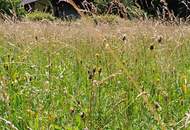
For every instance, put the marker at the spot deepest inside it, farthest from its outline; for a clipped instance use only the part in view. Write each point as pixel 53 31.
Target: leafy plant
pixel 12 7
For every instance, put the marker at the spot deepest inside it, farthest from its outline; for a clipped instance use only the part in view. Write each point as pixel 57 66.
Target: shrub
pixel 11 7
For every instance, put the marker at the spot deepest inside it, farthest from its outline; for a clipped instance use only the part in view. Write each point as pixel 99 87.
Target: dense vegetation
pixel 135 8
pixel 12 7
pixel 63 76
pixel 78 75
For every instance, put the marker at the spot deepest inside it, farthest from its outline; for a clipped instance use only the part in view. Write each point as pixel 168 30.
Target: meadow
pixel 128 75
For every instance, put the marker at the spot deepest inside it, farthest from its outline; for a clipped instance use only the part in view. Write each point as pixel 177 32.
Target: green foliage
pixel 132 10
pixel 5 6
pixel 11 7
pixel 38 16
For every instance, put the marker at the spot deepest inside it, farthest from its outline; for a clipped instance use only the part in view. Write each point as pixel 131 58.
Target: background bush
pixel 11 7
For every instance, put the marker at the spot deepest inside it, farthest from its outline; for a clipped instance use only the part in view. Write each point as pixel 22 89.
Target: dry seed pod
pixel 82 115
pixel 151 47
pixel 124 38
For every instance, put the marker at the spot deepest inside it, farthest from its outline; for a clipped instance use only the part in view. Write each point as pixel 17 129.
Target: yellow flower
pixel 107 46
pixel 51 117
pixel 184 88
pixel 184 85
pixel 97 55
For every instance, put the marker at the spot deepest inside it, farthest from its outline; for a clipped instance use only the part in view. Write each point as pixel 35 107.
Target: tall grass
pixel 71 76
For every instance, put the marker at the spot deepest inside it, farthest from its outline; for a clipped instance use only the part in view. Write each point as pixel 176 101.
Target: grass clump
pixel 39 16
pixel 108 19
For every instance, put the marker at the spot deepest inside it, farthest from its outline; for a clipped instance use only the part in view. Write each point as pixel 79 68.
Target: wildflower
pixel 30 112
pixel 51 117
pixel 159 40
pixel 99 70
pixel 107 46
pixel 30 78
pixel 123 62
pixel 124 38
pixel 184 88
pixel 91 74
pixel 78 102
pixel 82 115
pixel 184 85
pixel 97 55
pixel 95 82
pixel 94 70
pixel 6 66
pixel 152 47
pixel 36 38
pixel 157 106
pixel 72 110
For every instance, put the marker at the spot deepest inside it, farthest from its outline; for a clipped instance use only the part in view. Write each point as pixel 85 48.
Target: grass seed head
pixel 107 46
pixel 36 38
pixel 158 38
pixel 82 115
pixel 91 73
pixel 72 110
pixel 99 70
pixel 124 38
pixel 151 47
pixel 97 55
